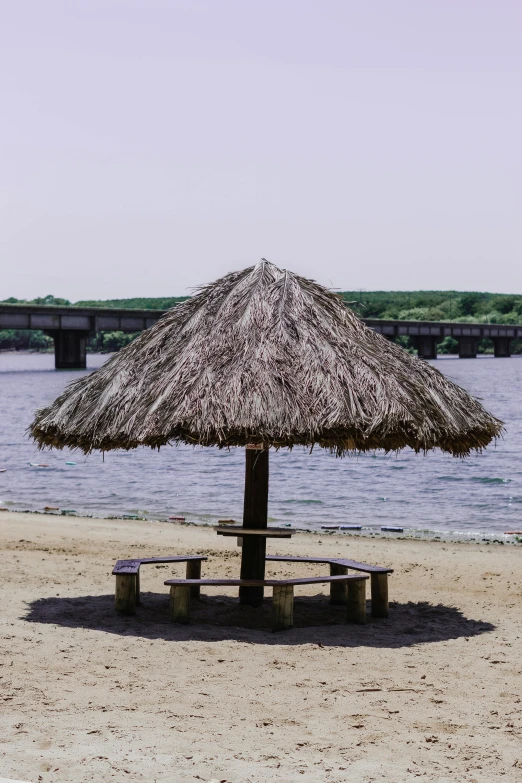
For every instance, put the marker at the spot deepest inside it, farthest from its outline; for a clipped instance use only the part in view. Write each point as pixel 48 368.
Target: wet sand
pixel 432 692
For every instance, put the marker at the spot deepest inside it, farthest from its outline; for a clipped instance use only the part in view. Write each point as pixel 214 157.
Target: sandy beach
pixel 432 692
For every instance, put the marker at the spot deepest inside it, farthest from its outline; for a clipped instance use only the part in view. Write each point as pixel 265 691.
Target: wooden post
pixel 283 607
pixel 379 587
pixel 356 603
pixel 194 572
pixel 180 603
pixel 255 515
pixel 138 596
pixel 125 595
pixel 338 590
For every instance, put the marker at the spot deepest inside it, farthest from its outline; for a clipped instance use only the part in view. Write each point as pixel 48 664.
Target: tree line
pixel 455 306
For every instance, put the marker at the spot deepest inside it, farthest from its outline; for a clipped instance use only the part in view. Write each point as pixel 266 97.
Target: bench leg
pixel 283 607
pixel 379 587
pixel 356 603
pixel 138 598
pixel 194 572
pixel 180 603
pixel 338 591
pixel 125 595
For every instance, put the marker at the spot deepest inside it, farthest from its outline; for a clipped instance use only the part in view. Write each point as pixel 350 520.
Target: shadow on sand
pixel 216 618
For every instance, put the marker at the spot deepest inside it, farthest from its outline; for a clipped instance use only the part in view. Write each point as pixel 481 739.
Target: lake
pixel 436 492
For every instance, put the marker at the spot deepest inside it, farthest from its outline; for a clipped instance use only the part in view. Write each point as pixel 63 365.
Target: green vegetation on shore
pixel 455 306
pixel 137 303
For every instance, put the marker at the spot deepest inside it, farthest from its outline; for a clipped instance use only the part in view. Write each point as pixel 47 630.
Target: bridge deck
pixel 88 319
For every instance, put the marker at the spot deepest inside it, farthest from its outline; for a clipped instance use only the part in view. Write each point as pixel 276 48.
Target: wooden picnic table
pixel 253 555
pixel 240 531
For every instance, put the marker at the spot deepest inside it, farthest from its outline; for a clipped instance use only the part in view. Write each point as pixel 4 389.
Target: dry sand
pixel 432 692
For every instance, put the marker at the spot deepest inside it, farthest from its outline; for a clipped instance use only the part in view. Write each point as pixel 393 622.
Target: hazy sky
pixel 152 145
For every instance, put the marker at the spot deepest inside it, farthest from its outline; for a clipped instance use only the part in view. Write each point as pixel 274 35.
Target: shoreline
pixel 367 531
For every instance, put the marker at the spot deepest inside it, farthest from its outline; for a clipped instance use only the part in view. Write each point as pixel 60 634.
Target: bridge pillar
pixel 426 346
pixel 502 346
pixel 467 347
pixel 69 349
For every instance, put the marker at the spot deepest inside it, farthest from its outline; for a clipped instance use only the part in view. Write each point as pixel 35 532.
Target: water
pixel 436 492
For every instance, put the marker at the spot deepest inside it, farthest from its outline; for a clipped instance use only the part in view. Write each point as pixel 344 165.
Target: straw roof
pixel 267 356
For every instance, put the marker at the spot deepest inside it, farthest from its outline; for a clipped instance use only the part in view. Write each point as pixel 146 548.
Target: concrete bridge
pixel 71 326
pixel 425 335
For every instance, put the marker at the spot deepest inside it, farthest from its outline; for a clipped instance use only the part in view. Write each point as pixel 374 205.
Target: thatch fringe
pixel 267 356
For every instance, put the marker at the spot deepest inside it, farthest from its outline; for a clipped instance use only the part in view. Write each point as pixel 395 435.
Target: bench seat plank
pixel 365 567
pixel 126 567
pixel 300 580
pixel 131 566
pixel 174 559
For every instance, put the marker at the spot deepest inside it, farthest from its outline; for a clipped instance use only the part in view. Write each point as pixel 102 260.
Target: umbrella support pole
pixel 252 563
pixel 255 516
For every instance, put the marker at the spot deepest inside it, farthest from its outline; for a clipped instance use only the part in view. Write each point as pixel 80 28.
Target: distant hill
pixel 138 303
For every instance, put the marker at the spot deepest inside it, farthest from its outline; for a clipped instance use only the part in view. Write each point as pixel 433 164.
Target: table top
pixel 240 532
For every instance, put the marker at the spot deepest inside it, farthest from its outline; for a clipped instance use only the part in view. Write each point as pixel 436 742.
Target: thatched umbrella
pixel 267 357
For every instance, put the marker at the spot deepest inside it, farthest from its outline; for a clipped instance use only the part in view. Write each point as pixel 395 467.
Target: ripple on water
pixel 490 480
